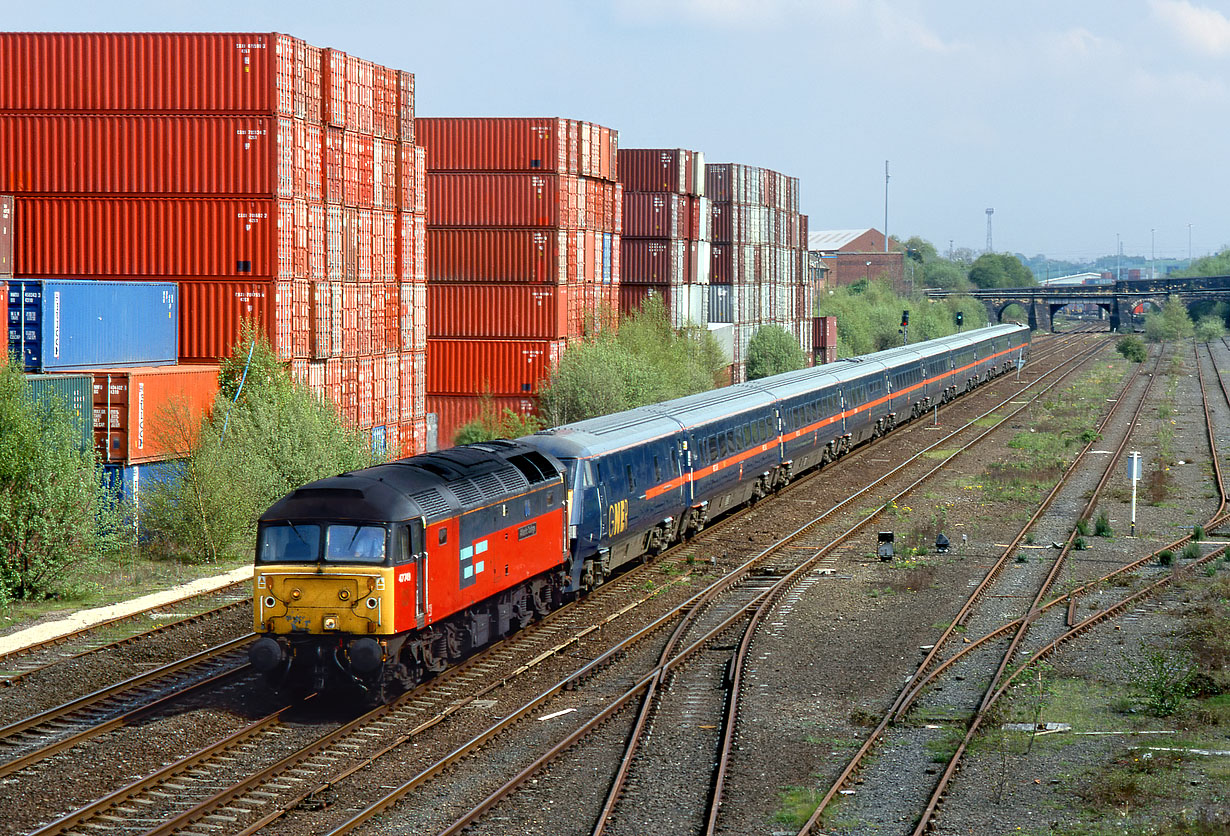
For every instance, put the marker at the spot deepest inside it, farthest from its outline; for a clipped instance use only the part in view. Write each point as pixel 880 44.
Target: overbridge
pixel 1119 298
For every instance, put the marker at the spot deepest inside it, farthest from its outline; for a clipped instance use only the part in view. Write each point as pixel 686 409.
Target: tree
pixel 647 361
pixel 1171 323
pixel 56 514
pixel 260 442
pixel 993 270
pixel 944 274
pixel 773 350
pixel 1212 265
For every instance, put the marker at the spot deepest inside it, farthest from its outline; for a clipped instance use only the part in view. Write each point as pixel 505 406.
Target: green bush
pixel 56 513
pixel 266 436
pixel 1197 533
pixel 490 424
pixel 1082 527
pixel 773 350
pixel 1132 348
pixel 1191 551
pixel 1101 526
pixel 1165 557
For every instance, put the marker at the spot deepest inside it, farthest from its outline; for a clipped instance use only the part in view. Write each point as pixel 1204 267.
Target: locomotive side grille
pixel 467 492
pixel 432 503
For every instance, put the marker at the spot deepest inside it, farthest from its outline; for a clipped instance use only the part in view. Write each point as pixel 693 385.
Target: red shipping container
pixel 6 236
pixel 307 82
pixel 505 311
pixel 653 261
pixel 316 377
pixel 503 367
pixel 333 87
pixel 210 313
pixel 150 414
pixel 350 390
pixel 334 160
pixel 502 200
pixel 405 104
pixel 384 174
pixel 412 324
pixel 654 215
pixel 494 144
pixel 497 255
pixel 161 237
pixel 359 94
pixel 418 399
pixel 363 295
pixel 301 325
pixel 392 381
pixel 455 411
pixel 365 389
pixel 321 316
pixel 147 72
pixel 129 154
pixel 379 392
pixel 309 162
pixel 283 320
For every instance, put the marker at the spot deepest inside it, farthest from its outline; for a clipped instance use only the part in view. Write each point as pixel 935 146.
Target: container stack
pixel 523 230
pixel 759 261
pixel 268 178
pixel 666 241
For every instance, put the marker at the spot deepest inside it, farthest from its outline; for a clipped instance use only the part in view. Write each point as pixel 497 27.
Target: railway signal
pixel 960 320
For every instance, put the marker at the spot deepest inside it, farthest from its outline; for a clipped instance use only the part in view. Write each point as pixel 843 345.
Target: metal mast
pixel 990 212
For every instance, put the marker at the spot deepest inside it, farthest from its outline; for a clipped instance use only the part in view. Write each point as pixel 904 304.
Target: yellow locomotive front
pixel 323 597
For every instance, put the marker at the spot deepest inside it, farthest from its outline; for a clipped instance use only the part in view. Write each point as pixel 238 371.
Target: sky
pixel 1081 123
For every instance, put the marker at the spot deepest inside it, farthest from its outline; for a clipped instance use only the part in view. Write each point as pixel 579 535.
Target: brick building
pixel 847 255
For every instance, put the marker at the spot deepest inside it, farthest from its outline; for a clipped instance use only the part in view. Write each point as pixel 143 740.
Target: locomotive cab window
pixel 354 543
pixel 289 543
pixel 442 535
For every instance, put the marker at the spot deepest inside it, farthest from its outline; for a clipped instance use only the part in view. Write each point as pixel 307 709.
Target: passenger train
pixel 380 577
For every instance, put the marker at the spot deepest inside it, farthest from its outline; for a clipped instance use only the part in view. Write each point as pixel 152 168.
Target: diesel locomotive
pixel 380 577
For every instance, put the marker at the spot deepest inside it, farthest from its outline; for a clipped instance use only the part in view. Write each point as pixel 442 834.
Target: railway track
pixel 122 631
pixel 717 624
pixel 1053 624
pixel 244 737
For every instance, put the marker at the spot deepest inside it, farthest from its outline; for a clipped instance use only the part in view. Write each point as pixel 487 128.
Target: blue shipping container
pixel 130 481
pixel 721 303
pixel 60 324
pixel 606 257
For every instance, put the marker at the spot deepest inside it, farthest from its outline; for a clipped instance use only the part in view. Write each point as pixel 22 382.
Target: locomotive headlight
pixel 344 594
pixel 296 594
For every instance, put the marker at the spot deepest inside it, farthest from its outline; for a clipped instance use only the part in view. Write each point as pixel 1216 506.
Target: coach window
pixel 657 470
pixel 730 442
pixel 631 478
pixel 714 450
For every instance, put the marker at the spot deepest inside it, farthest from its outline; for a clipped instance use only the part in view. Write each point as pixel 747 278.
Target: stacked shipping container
pixel 759 259
pixel 666 243
pixel 271 179
pixel 523 230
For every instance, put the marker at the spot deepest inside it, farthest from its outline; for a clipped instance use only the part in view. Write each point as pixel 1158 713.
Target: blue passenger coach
pixel 642 479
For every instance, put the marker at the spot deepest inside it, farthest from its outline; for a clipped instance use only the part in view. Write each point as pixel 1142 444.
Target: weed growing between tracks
pixel 1058 429
pixel 1141 772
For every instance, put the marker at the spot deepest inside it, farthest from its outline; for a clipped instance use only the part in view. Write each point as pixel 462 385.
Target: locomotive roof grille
pixel 466 491
pixel 432 503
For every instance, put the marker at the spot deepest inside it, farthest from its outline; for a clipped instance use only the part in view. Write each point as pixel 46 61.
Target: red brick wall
pixel 849 267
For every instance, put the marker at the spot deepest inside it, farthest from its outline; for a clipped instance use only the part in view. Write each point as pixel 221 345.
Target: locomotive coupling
pixel 266 654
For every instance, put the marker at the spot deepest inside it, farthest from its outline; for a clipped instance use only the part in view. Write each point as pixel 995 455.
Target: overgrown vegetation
pixel 1132 348
pixel 1162 679
pixel 266 436
pixel 57 516
pixel 773 350
pixel 492 423
pixel 1172 322
pixel 647 361
pixel 869 316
